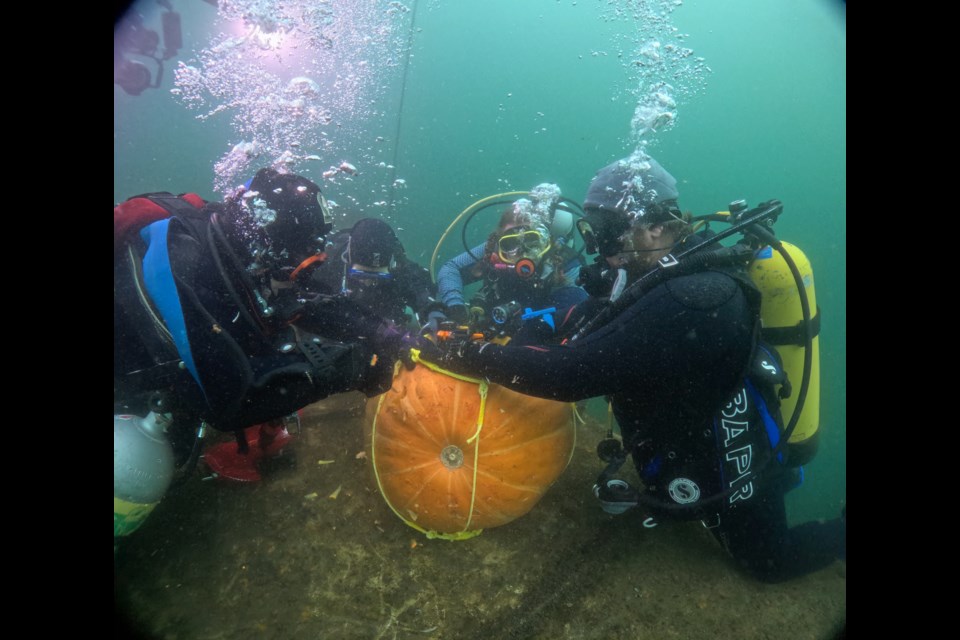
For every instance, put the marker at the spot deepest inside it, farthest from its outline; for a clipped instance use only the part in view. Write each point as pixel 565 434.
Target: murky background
pixel 437 104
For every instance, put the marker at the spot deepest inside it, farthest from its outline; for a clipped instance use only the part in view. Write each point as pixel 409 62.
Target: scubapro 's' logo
pixel 684 490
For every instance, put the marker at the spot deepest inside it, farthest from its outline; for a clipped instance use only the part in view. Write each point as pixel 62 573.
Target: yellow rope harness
pixel 483 387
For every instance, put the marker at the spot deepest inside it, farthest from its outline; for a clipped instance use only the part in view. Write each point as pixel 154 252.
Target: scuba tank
pixel 142 469
pixel 781 319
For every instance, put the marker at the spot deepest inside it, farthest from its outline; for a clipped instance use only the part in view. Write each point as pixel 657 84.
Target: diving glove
pixel 446 348
pixel 434 320
pixel 459 314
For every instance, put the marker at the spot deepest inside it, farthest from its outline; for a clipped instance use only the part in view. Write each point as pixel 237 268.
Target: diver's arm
pixel 340 318
pixel 602 363
pixel 418 289
pixel 684 330
pixel 559 373
pixel 451 277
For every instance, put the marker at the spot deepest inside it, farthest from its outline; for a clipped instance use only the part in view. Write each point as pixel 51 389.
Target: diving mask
pixel 589 236
pixel 601 231
pixel 523 243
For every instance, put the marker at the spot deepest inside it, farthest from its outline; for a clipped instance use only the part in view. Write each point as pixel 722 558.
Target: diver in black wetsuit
pixel 367 264
pixel 673 364
pixel 210 314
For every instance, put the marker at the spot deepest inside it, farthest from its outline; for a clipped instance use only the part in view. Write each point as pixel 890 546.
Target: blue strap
pixel 651 469
pixel 773 431
pixel 799 477
pixel 546 314
pixel 158 279
pixel 764 254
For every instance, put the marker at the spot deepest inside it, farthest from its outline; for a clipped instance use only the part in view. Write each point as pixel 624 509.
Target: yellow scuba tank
pixel 781 318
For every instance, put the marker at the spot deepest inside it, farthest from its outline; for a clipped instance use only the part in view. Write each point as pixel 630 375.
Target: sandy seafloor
pixel 225 561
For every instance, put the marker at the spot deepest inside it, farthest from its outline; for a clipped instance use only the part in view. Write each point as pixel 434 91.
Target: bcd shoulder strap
pixel 137 293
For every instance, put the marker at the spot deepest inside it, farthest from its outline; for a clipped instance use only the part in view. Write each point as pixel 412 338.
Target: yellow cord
pixel 483 388
pixel 576 414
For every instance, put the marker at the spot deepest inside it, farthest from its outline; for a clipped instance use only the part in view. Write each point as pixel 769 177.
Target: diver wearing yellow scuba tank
pixel 676 352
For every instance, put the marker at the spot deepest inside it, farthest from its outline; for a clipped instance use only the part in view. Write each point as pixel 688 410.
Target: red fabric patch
pixel 193 199
pixel 134 214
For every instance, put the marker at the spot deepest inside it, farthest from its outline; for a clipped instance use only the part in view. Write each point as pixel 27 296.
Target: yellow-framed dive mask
pixel 523 243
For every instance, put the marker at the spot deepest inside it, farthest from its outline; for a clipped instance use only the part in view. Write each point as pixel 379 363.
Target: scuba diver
pixel 134 43
pixel 368 264
pixel 213 326
pixel 671 337
pixel 528 270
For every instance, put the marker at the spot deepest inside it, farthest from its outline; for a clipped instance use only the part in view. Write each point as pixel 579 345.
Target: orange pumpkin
pixel 449 461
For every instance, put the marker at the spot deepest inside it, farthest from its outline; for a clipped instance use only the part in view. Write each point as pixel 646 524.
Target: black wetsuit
pixel 247 364
pixel 667 362
pixel 409 285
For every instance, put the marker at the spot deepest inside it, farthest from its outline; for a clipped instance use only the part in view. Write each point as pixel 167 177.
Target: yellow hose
pixel 476 205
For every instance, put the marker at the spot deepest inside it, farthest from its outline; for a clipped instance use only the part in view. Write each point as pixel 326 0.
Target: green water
pixel 503 94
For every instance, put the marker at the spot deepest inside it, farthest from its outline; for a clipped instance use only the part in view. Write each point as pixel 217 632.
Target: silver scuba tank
pixel 142 468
